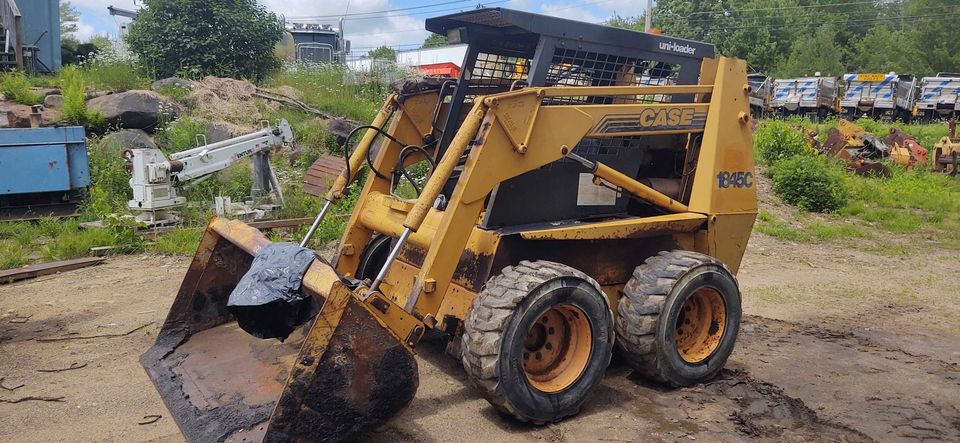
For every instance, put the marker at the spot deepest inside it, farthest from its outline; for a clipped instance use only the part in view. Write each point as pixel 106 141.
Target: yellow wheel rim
pixel 557 348
pixel 700 325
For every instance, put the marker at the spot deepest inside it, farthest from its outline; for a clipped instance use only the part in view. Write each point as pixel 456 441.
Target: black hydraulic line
pixel 346 152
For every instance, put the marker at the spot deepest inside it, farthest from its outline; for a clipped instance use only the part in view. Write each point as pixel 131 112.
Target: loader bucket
pixel 340 374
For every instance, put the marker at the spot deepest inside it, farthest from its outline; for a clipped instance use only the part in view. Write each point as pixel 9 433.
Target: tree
pixel 818 54
pixel 434 40
pixel 884 50
pixel 194 38
pixel 69 18
pixel 383 53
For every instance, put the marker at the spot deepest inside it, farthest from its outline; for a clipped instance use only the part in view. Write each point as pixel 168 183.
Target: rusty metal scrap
pixel 865 152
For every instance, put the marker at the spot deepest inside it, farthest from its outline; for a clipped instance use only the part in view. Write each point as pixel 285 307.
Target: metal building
pixel 30 35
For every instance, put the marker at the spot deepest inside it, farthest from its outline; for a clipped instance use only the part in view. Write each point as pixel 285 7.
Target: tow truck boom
pixel 155 180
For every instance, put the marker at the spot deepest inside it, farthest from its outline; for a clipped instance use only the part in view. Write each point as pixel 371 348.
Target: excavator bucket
pixel 338 375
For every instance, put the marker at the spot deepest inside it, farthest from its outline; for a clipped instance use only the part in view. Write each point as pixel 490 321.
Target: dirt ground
pixel 836 345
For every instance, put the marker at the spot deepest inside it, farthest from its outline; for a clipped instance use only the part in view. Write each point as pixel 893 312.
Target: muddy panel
pixel 364 378
pixel 610 262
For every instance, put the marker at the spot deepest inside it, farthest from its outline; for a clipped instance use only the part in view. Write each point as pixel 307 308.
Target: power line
pixel 381 12
pixel 381 17
pixel 488 3
pixel 872 20
pixel 785 17
pixel 778 8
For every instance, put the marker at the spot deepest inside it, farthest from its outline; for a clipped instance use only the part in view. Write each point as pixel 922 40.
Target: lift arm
pixel 155 178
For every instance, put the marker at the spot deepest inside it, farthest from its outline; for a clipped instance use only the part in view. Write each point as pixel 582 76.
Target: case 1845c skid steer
pixel 588 187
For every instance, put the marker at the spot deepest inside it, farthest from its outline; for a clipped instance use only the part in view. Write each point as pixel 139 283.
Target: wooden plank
pixel 285 223
pixel 33 271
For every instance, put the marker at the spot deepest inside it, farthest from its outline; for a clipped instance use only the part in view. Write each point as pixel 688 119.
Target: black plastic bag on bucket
pixel 267 302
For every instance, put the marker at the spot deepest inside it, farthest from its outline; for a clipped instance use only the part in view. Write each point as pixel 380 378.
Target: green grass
pixel 109 71
pixel 15 86
pixel 180 242
pixel 177 93
pixel 334 90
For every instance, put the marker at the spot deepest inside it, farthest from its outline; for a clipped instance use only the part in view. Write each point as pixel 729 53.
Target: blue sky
pixel 393 28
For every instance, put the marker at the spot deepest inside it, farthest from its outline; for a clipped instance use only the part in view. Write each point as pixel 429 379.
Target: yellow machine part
pixel 352 368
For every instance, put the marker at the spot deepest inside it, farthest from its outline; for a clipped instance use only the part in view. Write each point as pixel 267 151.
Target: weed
pixel 177 93
pixel 810 183
pixel 830 231
pixel 109 71
pixel 777 140
pixel 12 254
pixel 75 112
pixel 334 89
pixel 183 241
pixel 16 87
pixel 181 134
pixel 771 225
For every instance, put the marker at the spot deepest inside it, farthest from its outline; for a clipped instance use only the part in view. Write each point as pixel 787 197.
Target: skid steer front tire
pixel 537 340
pixel 679 316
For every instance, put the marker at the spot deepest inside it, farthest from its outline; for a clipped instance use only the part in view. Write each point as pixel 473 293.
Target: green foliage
pixel 110 183
pixel 331 89
pixel 383 53
pixel 180 242
pixel 75 112
pixel 106 70
pixel 177 93
pixel 73 52
pixel 795 37
pixel 12 255
pixel 16 87
pixel 819 53
pixel 776 140
pixel 435 40
pixel 811 183
pixel 194 38
pixel 181 134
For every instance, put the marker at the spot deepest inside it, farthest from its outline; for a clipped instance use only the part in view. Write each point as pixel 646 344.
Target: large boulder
pixel 220 130
pixel 117 142
pixel 172 82
pixel 53 101
pixel 18 116
pixel 135 109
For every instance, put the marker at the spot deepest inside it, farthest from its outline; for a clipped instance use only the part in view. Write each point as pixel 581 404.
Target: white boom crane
pixel 155 179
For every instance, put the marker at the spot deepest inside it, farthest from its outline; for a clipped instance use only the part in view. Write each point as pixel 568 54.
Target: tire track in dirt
pixel 877 389
pixel 766 412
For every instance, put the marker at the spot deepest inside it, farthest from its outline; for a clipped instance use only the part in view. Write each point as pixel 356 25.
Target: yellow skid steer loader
pixel 587 187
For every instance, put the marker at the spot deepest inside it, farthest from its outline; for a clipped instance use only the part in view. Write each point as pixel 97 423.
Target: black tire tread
pixel 489 315
pixel 644 297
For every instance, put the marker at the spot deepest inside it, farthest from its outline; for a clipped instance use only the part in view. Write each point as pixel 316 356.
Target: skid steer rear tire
pixel 679 297
pixel 537 340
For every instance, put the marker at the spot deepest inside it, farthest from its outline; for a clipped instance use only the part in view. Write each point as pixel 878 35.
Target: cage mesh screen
pixel 571 67
pixel 499 70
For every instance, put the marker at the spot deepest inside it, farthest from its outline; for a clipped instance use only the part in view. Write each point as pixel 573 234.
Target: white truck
pixel 938 97
pixel 761 92
pixel 878 96
pixel 812 96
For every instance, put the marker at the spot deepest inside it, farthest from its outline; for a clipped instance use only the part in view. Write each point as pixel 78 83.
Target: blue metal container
pixel 43 160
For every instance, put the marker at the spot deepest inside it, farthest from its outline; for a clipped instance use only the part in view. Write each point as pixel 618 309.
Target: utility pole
pixel 648 16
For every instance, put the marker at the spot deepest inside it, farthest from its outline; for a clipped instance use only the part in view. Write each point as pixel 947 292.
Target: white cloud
pixel 565 10
pixel 362 33
pixel 84 31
